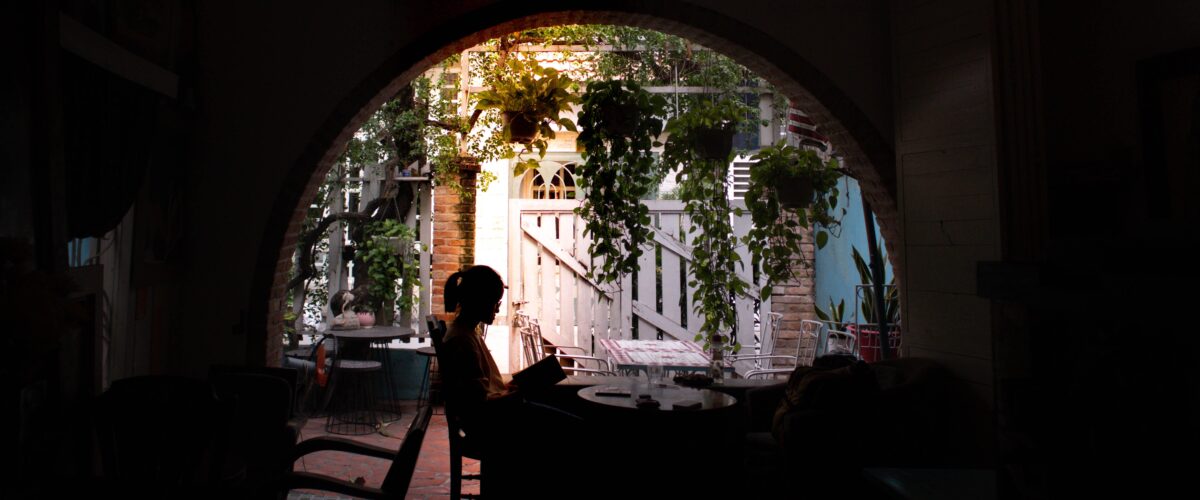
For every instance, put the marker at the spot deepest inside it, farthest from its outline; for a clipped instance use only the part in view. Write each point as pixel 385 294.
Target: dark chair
pixel 460 446
pixel 164 435
pixel 395 483
pixel 264 429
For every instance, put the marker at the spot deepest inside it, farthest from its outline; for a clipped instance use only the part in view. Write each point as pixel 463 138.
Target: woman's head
pixel 475 293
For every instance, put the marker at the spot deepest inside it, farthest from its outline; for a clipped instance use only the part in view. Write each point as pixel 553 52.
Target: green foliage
pixel 538 94
pixel 776 236
pixel 619 125
pixel 891 297
pixel 835 317
pixel 387 265
pixel 702 187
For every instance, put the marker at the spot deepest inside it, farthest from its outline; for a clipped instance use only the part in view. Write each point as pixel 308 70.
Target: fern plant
pixel 525 90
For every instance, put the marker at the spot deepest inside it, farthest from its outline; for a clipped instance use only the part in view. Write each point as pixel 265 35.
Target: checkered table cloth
pixel 672 354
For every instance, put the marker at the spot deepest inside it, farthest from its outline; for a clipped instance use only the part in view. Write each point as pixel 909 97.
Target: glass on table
pixel 654 374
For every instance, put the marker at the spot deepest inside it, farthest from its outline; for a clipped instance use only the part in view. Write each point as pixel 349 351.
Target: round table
pixel 362 344
pixel 374 333
pixel 666 395
pixel 665 442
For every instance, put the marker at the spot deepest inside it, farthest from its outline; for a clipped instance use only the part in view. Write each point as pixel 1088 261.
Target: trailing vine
pixel 703 188
pixel 391 265
pixel 776 236
pixel 619 124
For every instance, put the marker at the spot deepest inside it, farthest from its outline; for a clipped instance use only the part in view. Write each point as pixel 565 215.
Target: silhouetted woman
pixel 471 375
pixel 514 435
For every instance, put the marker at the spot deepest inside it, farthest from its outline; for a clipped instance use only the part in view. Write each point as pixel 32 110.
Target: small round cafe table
pixel 363 345
pixel 626 396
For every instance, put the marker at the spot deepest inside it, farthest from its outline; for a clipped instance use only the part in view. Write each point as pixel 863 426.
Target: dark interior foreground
pixel 1033 165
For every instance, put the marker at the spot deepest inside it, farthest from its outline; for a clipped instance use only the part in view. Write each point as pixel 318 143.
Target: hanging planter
pixel 700 142
pixel 529 98
pixel 790 188
pixel 521 129
pixel 619 122
pixel 795 192
pixel 399 245
pixel 715 143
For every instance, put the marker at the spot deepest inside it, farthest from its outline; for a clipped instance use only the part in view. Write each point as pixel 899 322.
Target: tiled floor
pixel 430 480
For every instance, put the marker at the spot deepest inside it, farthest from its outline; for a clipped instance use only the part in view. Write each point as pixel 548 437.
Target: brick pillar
pixel 453 232
pixel 795 298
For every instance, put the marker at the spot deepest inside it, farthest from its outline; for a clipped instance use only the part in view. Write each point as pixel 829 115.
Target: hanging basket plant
pixel 387 267
pixel 520 129
pixel 619 125
pixel 700 142
pixel 791 189
pixel 529 98
pixel 715 143
pixel 796 192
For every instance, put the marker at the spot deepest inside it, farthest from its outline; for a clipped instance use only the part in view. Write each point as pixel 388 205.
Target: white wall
pixel 945 150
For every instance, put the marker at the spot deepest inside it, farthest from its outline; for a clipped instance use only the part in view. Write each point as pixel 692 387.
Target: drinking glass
pixel 654 373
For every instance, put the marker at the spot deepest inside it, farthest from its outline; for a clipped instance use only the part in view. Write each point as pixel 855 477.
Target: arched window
pixel 552 181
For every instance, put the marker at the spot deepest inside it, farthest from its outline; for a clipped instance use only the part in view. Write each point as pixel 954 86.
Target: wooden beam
pixel 662 322
pixel 565 258
pixel 99 50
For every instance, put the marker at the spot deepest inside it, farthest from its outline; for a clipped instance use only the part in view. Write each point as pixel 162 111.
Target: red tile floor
pixel 430 480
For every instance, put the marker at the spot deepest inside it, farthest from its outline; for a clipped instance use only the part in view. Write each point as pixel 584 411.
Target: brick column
pixel 795 298
pixel 453 232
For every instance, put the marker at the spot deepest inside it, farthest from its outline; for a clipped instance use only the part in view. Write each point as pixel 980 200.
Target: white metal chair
pixel 841 342
pixel 805 352
pixel 534 346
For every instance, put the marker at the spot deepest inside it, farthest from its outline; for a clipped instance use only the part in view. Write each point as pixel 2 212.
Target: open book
pixel 540 375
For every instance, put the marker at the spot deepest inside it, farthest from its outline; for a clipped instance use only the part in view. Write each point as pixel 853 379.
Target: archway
pixel 865 151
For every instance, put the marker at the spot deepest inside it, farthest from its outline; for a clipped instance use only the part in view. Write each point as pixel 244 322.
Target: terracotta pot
pixel 520 128
pixel 366 319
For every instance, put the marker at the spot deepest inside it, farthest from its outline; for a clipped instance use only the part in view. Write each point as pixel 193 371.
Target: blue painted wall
pixel 836 275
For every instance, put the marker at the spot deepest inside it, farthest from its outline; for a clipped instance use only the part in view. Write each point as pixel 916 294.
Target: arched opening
pixel 554 181
pixel 861 145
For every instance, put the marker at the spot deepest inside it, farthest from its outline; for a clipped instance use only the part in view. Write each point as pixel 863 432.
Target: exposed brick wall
pixel 794 299
pixel 453 233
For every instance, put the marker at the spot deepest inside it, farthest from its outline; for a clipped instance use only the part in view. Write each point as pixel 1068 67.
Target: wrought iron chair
pixel 805 352
pixel 535 348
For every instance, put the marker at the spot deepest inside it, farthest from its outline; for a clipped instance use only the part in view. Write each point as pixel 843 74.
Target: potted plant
pixel 702 181
pixel 366 315
pixel 619 124
pixel 868 329
pixel 791 189
pixel 386 266
pixel 529 98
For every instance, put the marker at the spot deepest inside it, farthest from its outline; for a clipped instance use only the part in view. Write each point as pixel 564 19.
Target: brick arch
pixel 866 153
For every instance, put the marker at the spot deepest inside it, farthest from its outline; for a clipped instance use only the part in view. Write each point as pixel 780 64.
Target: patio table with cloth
pixel 673 355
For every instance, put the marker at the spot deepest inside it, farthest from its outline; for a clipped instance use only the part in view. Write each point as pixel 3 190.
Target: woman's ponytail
pixel 451 291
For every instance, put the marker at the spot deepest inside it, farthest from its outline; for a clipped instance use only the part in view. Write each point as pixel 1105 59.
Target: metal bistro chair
pixel 841 342
pixel 535 348
pixel 806 351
